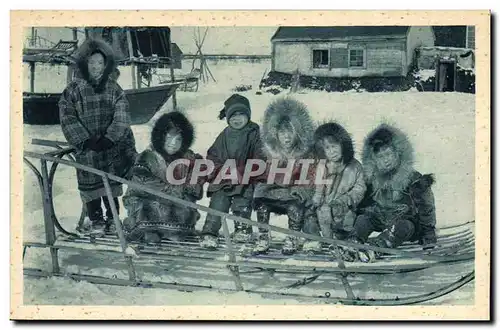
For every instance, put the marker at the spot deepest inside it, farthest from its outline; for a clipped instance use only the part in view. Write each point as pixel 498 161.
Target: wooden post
pixel 139 77
pixel 343 275
pixel 130 56
pixel 174 95
pixel 32 77
pixel 50 231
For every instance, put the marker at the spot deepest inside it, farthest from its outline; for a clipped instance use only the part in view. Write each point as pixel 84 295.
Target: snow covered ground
pixel 440 125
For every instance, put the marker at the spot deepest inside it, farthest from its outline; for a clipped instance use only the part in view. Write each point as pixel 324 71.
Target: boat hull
pixel 42 108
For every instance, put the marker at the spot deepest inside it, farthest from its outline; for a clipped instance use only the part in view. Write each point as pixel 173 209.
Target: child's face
pixel 238 121
pixel 333 150
pixel 173 142
pixel 286 138
pixel 386 159
pixel 96 65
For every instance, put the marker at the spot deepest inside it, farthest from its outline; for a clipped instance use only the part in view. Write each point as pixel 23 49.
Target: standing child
pixel 239 141
pixel 287 137
pixel 336 202
pixel 399 202
pixel 95 119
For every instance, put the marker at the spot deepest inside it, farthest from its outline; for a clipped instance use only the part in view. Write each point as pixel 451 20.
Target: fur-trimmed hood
pixel 404 174
pixel 168 121
pixel 339 134
pixel 291 111
pixel 83 53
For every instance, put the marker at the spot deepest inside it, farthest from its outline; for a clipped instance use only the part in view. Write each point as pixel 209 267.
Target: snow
pixel 440 126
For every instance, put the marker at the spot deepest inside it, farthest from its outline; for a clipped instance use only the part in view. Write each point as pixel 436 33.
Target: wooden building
pixel 348 51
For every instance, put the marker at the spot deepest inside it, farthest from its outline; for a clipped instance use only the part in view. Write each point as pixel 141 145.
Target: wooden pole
pixel 33 37
pixel 130 56
pixel 233 269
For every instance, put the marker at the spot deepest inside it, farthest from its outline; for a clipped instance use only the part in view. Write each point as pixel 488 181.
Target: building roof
pixel 337 32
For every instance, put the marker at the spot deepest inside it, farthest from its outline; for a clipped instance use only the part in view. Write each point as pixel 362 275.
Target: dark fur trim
pixel 88 47
pixel 338 134
pixel 394 137
pixel 168 121
pixel 295 113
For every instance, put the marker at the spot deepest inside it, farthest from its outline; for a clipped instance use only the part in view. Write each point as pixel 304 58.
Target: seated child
pixel 336 202
pixel 152 218
pixel 239 141
pixel 287 135
pixel 399 202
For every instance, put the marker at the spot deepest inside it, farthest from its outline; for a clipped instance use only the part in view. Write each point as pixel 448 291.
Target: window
pixel 321 58
pixel 356 58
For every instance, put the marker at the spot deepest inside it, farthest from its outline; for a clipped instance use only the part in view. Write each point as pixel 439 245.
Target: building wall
pixel 383 57
pixel 418 36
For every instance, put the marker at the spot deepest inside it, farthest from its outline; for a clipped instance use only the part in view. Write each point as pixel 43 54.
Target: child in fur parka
pixel 336 202
pixel 95 120
pixel 287 136
pixel 152 218
pixel 239 142
pixel 399 202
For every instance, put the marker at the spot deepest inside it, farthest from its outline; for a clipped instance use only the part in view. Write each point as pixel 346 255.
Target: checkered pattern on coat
pixel 85 113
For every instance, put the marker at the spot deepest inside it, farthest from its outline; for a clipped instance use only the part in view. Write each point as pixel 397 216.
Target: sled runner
pixel 398 277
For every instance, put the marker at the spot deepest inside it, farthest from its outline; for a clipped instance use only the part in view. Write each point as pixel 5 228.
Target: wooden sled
pixel 398 278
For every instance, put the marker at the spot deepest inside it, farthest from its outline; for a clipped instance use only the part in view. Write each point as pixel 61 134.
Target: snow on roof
pixel 332 32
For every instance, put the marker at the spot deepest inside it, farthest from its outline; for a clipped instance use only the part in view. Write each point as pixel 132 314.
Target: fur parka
pixel 295 114
pixel 90 109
